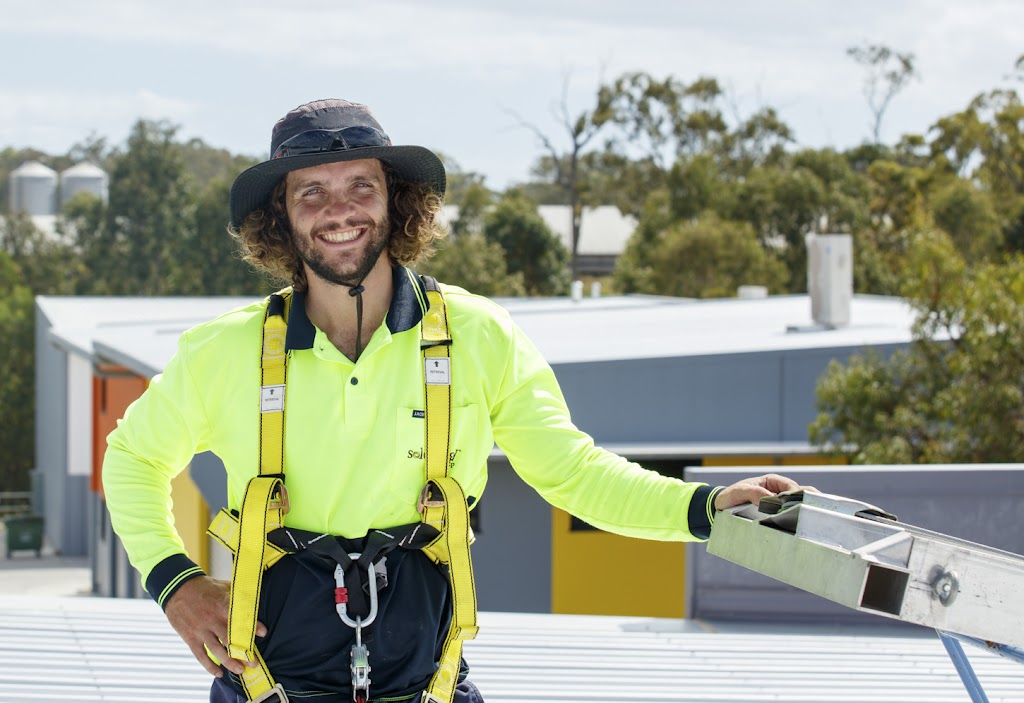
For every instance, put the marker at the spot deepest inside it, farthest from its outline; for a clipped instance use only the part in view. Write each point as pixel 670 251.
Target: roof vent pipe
pixel 830 278
pixel 752 292
pixel 577 291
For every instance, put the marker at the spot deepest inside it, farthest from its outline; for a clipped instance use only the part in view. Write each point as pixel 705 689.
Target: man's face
pixel 339 218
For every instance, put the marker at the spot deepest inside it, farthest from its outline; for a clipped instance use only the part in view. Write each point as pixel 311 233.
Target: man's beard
pixel 374 247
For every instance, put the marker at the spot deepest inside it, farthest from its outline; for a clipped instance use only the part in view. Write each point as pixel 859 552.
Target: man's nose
pixel 339 205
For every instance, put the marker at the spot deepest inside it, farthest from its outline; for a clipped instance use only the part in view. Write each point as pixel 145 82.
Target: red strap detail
pixel 341 595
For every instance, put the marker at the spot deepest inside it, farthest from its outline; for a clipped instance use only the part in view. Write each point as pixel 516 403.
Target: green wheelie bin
pixel 24 533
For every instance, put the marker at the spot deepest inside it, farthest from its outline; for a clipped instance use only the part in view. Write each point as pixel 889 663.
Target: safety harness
pixel 257 538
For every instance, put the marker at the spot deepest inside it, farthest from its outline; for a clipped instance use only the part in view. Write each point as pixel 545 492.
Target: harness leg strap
pixel 262 511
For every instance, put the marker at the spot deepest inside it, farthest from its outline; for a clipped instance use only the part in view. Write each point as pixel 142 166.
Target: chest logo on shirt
pixel 420 454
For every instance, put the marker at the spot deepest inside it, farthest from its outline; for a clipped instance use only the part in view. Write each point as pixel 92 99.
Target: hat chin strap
pixel 356 292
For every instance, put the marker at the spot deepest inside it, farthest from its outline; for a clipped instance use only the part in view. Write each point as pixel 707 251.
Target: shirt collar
pixel 408 303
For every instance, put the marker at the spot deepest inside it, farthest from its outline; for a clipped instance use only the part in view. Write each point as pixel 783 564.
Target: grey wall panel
pixel 801 371
pixel 51 429
pixel 512 552
pixel 732 397
pixel 75 538
pixel 981 504
pixel 103 550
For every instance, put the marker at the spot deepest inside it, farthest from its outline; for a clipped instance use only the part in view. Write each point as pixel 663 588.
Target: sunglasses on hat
pixel 320 140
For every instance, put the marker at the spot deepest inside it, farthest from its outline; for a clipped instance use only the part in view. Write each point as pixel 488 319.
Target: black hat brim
pixel 252 189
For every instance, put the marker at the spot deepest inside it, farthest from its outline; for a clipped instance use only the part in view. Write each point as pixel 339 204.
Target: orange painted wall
pixel 111 396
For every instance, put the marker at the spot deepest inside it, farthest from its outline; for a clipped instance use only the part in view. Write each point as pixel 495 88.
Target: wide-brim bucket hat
pixel 323 132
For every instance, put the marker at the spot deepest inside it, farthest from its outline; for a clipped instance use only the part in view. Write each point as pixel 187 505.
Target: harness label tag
pixel 438 371
pixel 272 399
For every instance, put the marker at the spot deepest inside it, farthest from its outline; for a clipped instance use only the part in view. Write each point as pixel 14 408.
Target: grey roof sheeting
pixel 107 649
pixel 141 333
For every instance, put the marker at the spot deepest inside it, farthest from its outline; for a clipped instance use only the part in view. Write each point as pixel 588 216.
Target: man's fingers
pixel 199 652
pixel 778 484
pixel 261 629
pixel 220 652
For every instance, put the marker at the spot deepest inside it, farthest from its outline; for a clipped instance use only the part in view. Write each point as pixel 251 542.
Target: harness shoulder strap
pixel 263 507
pixel 443 503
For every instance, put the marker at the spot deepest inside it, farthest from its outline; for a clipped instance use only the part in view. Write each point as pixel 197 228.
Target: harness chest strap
pixel 265 503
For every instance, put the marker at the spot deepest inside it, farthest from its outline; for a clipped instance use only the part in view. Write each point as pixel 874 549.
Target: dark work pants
pixel 220 692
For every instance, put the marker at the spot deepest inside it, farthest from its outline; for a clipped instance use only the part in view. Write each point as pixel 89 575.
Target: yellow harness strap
pixel 263 509
pixel 443 503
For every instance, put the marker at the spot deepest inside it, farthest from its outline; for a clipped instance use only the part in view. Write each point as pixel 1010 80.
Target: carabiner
pixel 342 605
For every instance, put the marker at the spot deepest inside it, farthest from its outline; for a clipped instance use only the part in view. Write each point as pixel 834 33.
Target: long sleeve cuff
pixel 169 575
pixel 701 515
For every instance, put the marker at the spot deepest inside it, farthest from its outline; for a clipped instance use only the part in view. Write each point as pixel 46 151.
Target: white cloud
pixel 40 118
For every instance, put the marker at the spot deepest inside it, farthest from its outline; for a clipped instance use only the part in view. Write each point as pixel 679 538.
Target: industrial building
pixel 669 382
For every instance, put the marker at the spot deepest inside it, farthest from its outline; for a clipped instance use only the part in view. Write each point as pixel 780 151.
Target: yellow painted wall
pixel 598 573
pixel 191 518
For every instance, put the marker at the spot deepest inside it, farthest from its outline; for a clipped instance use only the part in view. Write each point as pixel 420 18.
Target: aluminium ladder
pixel 861 557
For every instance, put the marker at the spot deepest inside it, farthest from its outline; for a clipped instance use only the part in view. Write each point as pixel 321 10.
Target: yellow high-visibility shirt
pixel 354 431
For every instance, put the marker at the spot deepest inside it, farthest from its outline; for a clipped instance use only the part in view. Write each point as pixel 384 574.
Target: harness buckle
pixel 425 501
pixel 281 501
pixel 274 695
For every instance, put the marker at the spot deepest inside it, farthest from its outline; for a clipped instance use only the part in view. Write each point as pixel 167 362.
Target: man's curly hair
pixel 265 236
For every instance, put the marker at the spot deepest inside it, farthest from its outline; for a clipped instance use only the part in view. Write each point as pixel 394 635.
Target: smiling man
pixel 354 412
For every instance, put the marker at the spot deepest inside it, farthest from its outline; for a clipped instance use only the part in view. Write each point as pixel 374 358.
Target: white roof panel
pixel 56 650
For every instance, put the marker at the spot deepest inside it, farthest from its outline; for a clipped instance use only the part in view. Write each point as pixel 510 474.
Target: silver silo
pixel 33 189
pixel 83 177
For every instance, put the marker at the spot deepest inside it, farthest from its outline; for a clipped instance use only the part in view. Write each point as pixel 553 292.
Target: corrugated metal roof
pixel 98 649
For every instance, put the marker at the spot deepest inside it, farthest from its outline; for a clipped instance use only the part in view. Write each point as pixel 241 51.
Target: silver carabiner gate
pixel 342 607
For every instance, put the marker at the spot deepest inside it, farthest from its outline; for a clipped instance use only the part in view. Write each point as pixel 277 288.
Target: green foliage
pixel 709 257
pixel 206 164
pixel 17 379
pixel 163 232
pixel 969 216
pixel 472 262
pixel 208 260
pixel 530 247
pixel 634 269
pixel 957 394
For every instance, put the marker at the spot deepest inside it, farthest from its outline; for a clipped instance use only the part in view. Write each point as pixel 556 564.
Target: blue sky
pixel 446 73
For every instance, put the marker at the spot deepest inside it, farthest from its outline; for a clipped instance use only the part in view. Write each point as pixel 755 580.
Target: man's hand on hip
pixel 198 612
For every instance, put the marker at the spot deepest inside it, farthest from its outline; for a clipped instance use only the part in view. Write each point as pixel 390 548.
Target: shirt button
pixel 354 381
